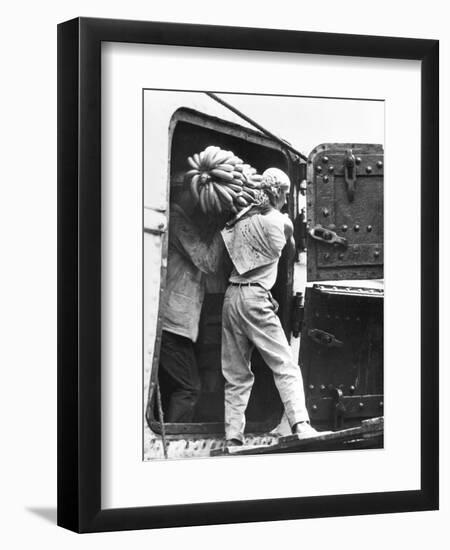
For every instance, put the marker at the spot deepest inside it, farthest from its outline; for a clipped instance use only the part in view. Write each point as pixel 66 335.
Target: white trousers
pixel 249 320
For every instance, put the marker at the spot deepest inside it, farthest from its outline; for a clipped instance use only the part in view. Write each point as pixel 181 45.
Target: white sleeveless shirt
pixel 255 245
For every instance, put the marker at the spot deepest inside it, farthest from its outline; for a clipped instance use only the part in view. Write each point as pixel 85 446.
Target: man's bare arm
pixel 289 234
pixel 288 228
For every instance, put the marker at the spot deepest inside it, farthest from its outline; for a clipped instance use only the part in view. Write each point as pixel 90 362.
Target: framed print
pixel 248 266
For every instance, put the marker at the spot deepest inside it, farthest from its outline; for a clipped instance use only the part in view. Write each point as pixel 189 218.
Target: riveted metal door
pixel 345 212
pixel 341 354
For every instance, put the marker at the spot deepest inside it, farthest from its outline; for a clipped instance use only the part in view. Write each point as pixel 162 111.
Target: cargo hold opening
pixel 192 132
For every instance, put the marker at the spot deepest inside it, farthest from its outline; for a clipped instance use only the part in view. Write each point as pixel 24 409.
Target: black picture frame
pixel 79 274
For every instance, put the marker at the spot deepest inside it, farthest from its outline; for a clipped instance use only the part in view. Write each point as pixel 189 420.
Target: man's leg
pixel 263 327
pixel 236 355
pixel 178 370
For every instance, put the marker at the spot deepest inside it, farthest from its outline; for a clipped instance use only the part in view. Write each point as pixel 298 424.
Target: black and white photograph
pixel 263 280
pixel 225 275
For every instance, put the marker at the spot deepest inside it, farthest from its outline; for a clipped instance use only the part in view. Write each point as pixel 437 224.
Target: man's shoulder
pixel 277 225
pixel 274 218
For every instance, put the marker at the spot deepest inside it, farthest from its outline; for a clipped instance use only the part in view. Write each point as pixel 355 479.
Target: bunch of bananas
pixel 221 182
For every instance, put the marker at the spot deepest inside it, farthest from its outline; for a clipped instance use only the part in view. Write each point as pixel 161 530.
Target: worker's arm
pixel 289 234
pixel 288 227
pixel 206 256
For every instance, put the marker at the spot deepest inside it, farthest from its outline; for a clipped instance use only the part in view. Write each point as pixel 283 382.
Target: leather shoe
pixel 304 429
pixel 233 443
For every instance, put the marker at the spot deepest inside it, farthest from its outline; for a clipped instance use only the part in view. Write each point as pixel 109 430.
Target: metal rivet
pixel 311 387
pixel 356 228
pixel 379 164
pixel 322 387
pixel 325 212
pixel 319 168
pixel 369 228
pixel 328 316
pixel 361 405
pixel 325 179
pixel 314 408
pixel 344 227
pixel 327 256
pixel 331 168
pixel 358 319
pixel 341 256
pixel 325 160
pixel 376 253
pixel 368 169
pixel 358 160
pixel 380 404
pixel 352 389
pixel 309 203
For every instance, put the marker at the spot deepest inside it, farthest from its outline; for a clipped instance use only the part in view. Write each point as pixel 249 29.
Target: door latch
pixel 324 338
pixel 327 236
pixel 338 409
pixel 350 173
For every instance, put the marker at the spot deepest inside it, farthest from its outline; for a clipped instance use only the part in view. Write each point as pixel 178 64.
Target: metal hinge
pixel 155 221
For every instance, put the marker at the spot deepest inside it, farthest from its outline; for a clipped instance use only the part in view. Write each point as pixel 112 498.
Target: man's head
pixel 276 184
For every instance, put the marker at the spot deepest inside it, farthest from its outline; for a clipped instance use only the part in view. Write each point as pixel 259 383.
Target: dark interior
pixel 265 409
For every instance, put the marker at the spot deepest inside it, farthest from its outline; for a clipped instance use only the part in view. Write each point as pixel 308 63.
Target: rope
pixel 161 419
pixel 282 142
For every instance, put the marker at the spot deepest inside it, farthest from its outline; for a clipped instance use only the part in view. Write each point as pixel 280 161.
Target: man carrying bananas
pixel 194 251
pixel 249 317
